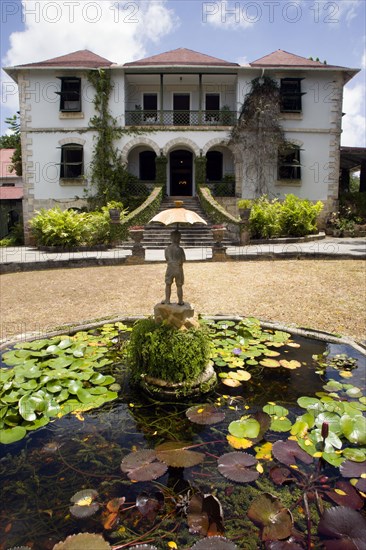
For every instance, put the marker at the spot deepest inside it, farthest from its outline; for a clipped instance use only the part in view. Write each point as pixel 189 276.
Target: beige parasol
pixel 177 215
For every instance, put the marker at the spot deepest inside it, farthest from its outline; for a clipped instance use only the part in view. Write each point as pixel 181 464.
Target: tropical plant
pixel 71 228
pixel 245 203
pixel 265 218
pixel 298 217
pixel 292 217
pixel 162 351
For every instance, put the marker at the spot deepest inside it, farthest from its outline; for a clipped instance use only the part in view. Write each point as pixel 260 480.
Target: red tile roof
pixel 11 193
pixel 181 56
pixel 280 58
pixel 80 58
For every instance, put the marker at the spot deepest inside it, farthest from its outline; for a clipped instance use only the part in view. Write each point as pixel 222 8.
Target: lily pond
pixel 274 457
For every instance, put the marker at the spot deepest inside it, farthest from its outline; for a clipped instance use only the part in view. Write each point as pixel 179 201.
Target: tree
pixel 258 136
pixel 8 142
pixel 13 142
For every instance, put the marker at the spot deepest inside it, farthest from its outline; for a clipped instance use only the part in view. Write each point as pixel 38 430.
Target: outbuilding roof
pixel 11 193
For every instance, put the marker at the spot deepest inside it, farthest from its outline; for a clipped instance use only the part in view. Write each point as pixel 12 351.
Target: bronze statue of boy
pixel 175 256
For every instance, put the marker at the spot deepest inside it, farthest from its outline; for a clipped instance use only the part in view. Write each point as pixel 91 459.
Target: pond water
pixel 83 450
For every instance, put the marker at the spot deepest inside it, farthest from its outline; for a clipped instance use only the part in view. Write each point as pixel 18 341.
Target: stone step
pixel 157 235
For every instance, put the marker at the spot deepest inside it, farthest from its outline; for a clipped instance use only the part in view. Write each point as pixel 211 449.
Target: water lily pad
pixel 354 428
pixel 345 526
pixel 270 363
pixel 205 414
pixel 214 543
pixel 353 469
pixel 12 435
pixel 355 455
pixel 289 451
pixel 136 459
pixel 346 495
pixel 271 353
pixel 239 442
pixel 275 521
pixel 281 425
pixel 231 382
pixel 177 454
pixel 84 503
pixel 237 467
pixel 246 427
pixel 83 541
pixel 141 466
pixel 275 410
pixel 149 472
pixel 293 364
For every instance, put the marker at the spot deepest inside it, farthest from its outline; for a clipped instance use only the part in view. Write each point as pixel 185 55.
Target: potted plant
pixel 245 208
pixel 114 209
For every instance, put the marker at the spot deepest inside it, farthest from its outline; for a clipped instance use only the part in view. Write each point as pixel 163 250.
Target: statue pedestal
pixel 175 315
pixel 137 256
pixel 219 254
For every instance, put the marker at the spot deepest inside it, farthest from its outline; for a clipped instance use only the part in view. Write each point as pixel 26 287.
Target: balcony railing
pixel 180 118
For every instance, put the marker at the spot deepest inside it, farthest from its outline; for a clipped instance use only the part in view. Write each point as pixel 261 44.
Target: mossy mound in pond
pixel 162 351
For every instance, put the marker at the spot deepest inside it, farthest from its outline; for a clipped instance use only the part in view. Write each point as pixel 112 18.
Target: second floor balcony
pixel 140 117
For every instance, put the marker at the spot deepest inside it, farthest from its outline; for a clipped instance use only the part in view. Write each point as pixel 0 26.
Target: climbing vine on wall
pixel 200 168
pixel 258 136
pixel 105 155
pixel 110 179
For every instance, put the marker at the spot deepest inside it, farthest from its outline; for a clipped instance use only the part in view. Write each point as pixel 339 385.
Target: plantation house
pixel 184 104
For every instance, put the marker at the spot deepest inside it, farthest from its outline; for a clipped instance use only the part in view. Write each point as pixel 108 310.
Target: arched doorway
pixel 181 173
pixel 214 166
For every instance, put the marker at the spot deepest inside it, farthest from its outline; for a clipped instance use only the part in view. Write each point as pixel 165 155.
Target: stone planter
pixel 166 391
pixel 136 235
pixel 115 215
pixel 218 235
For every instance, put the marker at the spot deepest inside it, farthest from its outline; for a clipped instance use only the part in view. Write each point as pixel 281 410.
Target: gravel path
pixel 326 295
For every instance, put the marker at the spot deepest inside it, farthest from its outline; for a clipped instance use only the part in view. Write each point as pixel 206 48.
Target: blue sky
pixel 240 31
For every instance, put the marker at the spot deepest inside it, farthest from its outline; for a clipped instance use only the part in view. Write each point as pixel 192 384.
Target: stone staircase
pixel 157 235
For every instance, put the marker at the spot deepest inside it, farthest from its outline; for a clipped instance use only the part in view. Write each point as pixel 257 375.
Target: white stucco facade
pixel 179 109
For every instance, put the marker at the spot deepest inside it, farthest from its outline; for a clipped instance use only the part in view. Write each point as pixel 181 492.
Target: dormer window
pixel 70 95
pixel 291 95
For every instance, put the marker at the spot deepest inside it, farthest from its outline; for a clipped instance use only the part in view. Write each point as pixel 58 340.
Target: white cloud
pixel 332 13
pixel 354 121
pixel 119 31
pixel 243 60
pixel 363 60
